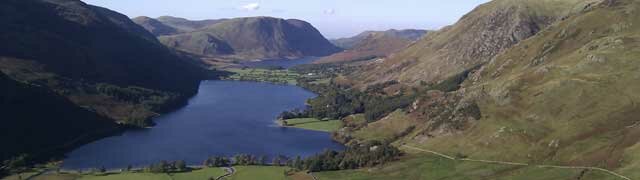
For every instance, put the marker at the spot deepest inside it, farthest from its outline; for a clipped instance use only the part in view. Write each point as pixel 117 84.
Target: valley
pixel 514 89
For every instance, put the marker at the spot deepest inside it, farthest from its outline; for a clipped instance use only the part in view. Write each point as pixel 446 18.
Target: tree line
pixel 368 154
pixel 336 103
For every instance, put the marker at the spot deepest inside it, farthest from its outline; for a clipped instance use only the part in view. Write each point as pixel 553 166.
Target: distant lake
pixel 284 63
pixel 224 118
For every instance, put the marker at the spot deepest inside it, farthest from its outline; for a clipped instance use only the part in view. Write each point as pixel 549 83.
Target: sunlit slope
pixel 474 39
pixel 566 96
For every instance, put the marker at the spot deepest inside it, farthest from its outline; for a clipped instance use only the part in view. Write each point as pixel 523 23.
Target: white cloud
pixel 250 7
pixel 329 11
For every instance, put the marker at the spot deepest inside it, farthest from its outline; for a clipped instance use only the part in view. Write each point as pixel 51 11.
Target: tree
pixel 276 161
pixel 181 165
pixel 297 163
pixel 262 160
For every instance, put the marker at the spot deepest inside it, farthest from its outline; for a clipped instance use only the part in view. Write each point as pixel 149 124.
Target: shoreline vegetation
pixel 272 75
pixel 240 166
pixel 313 124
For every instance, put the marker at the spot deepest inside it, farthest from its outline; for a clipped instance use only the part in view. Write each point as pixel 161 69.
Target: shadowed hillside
pixel 38 121
pixel 84 68
pixel 154 26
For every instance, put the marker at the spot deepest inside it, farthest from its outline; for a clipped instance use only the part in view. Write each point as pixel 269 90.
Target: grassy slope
pixel 476 38
pixel 315 124
pixel 386 128
pixel 563 97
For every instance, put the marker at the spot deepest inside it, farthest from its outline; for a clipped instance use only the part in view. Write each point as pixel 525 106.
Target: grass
pixel 315 124
pixel 199 174
pixel 264 75
pixel 386 128
pixel 24 175
pixel 128 176
pixel 242 173
pixel 259 172
pixel 426 166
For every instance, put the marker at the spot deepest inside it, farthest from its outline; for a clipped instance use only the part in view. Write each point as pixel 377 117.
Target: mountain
pixel 350 42
pixel 38 120
pixel 474 39
pixel 185 25
pixel 563 96
pixel 374 44
pixel 80 69
pixel 154 26
pixel 253 38
pixel 100 45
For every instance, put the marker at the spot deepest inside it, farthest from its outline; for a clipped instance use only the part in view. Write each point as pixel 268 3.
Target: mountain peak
pixel 260 37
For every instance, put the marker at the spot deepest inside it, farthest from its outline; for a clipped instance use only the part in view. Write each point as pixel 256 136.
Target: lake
pixel 224 118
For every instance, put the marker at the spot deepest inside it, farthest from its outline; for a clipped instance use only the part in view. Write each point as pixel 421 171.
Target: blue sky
pixel 334 18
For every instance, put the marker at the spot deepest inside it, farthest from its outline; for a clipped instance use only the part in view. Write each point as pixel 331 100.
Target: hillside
pixel 474 39
pixel 374 44
pixel 563 97
pixel 350 42
pixel 154 26
pixel 253 38
pixel 185 25
pixel 37 120
pixel 102 45
pixel 87 65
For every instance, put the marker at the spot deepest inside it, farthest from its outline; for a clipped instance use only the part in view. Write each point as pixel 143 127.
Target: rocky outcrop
pixel 479 36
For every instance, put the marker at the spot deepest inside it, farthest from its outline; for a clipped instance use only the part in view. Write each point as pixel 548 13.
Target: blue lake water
pixel 224 118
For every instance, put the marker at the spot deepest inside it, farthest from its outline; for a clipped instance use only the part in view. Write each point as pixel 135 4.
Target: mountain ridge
pixel 474 39
pixel 250 38
pixel 373 44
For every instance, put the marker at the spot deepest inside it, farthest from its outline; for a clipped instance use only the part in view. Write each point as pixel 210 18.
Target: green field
pixel 315 124
pixel 263 75
pixel 425 166
pixel 259 172
pixel 241 173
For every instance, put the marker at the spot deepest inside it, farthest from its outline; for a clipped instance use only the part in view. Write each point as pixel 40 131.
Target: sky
pixel 334 18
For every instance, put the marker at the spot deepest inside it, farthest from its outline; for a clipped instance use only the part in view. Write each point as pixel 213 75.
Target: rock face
pixel 475 39
pixel 373 44
pixel 246 38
